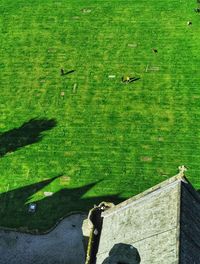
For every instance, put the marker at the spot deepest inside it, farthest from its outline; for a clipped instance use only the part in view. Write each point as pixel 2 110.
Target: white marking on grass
pixel 154 69
pixel 74 88
pixel 86 10
pixel 111 76
pixel 48 193
pixel 132 45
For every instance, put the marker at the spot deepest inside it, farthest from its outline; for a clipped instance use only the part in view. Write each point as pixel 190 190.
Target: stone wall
pixel 150 224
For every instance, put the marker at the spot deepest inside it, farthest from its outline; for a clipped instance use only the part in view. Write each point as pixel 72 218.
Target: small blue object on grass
pixel 32 208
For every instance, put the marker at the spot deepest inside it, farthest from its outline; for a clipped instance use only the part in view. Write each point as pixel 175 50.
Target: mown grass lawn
pixel 121 139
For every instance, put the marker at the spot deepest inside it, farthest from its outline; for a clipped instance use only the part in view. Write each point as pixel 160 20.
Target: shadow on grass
pixel 14 205
pixel 27 134
pixel 66 73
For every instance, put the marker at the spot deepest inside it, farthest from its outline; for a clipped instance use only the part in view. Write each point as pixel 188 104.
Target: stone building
pixel 162 225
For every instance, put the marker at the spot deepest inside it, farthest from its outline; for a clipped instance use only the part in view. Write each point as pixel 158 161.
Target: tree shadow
pixel 14 205
pixel 27 134
pixel 123 254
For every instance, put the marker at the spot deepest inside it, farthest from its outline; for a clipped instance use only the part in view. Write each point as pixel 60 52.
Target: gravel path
pixel 63 245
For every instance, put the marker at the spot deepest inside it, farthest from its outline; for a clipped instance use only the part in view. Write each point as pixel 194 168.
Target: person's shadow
pixel 123 254
pixel 28 133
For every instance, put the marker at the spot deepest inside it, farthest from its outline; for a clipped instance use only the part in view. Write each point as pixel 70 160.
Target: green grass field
pixel 105 140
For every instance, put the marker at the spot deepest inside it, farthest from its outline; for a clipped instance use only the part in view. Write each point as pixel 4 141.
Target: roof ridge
pixel 176 178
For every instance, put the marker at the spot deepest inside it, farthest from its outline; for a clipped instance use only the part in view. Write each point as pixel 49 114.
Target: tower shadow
pixel 15 203
pixel 27 134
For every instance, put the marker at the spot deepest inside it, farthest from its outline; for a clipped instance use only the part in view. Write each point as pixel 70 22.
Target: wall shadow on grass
pixel 14 205
pixel 27 134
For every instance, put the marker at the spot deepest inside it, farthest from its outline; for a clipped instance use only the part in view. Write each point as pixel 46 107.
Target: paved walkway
pixel 63 245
